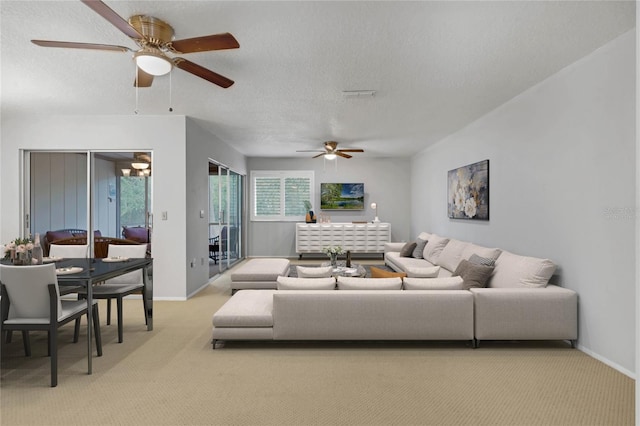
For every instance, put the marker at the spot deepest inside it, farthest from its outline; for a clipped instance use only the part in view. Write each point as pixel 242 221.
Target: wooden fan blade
pixel 143 79
pixel 310 150
pixel 319 155
pixel 351 150
pixel 202 72
pixel 205 43
pixel 73 45
pixel 341 154
pixel 116 20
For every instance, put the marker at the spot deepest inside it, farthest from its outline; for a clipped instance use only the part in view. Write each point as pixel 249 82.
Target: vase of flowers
pixel 333 252
pixel 20 251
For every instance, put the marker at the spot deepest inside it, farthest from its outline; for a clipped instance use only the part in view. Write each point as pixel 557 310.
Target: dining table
pixel 89 271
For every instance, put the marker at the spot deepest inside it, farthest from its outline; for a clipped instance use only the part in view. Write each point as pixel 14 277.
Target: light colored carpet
pixel 171 376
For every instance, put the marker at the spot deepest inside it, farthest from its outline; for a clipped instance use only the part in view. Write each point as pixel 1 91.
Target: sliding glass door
pixel 69 193
pixel 225 217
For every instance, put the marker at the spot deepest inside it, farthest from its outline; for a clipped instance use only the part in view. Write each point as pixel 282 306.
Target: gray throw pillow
pixel 407 250
pixel 417 252
pixel 479 260
pixel 473 275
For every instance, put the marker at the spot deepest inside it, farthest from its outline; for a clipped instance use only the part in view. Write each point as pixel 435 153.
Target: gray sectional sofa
pixel 517 302
pixel 443 297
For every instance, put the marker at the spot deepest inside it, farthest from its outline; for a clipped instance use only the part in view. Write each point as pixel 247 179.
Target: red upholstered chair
pixel 64 234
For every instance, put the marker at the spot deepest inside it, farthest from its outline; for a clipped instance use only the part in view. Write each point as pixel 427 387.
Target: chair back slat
pixel 27 289
pixel 138 251
pixel 69 251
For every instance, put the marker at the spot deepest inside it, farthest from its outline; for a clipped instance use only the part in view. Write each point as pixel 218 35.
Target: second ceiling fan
pixel 155 39
pixel 331 151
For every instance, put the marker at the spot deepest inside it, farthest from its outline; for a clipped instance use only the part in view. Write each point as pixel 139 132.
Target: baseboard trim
pixel 606 361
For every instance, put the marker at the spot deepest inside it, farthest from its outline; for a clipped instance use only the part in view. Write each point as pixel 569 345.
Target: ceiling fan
pixel 331 151
pixel 155 39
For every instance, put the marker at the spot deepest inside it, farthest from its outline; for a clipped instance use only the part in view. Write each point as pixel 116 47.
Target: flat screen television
pixel 342 196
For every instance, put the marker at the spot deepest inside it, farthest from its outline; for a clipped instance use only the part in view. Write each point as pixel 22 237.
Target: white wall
pixel 164 135
pixel 562 164
pixel 386 181
pixel 202 146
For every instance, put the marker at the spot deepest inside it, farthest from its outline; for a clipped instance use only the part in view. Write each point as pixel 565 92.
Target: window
pixel 280 195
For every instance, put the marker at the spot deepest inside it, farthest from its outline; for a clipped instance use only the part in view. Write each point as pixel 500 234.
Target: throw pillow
pixel 513 270
pixel 451 254
pixel 351 283
pixel 430 272
pixel 381 273
pixel 407 250
pixel 479 260
pixel 444 283
pixel 434 247
pixel 314 272
pixel 417 251
pixel 473 275
pixel 293 283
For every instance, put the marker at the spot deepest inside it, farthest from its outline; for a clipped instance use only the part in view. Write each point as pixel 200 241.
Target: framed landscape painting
pixel 342 196
pixel 468 192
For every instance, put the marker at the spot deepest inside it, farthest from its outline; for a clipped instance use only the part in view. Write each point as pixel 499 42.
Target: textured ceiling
pixel 435 66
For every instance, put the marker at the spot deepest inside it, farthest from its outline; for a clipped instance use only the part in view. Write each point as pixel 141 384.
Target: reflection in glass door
pixel 73 192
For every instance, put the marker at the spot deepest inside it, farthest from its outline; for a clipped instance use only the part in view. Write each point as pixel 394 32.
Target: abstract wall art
pixel 468 191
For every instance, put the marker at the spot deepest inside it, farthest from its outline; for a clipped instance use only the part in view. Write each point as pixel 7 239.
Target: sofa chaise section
pixel 549 313
pixel 259 273
pixel 345 315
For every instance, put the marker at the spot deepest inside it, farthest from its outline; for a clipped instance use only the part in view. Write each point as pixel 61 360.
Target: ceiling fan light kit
pixel 152 61
pixel 140 166
pixel 331 151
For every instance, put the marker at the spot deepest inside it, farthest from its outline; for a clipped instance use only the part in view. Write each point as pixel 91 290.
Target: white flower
pixel 460 197
pixel 470 207
pixel 329 250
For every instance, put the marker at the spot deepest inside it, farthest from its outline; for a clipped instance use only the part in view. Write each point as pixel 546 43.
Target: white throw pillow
pixel 513 270
pixel 451 254
pixel 294 283
pixel 489 253
pixel 434 247
pixel 352 283
pixel 430 272
pixel 314 271
pixel 444 283
pixel 424 236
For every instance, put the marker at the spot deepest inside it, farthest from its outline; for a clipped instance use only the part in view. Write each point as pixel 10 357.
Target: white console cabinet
pixel 355 237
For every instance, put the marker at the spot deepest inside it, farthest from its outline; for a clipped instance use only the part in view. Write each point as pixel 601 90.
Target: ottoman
pixel 259 274
pixel 246 316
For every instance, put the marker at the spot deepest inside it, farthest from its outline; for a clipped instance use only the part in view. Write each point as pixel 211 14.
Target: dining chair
pixel 31 301
pixel 214 248
pixel 69 251
pixel 121 286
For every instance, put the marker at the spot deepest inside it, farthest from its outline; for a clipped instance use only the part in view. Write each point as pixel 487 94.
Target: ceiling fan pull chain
pixel 135 70
pixel 170 88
